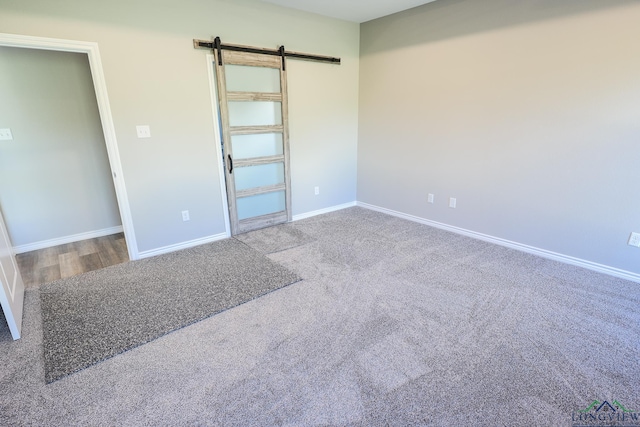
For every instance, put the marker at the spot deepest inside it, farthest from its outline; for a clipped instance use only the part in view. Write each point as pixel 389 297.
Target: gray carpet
pixel 275 239
pixel 94 316
pixel 394 324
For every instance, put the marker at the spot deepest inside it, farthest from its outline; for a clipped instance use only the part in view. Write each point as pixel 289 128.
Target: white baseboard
pixel 183 245
pixel 612 271
pixel 66 239
pixel 323 211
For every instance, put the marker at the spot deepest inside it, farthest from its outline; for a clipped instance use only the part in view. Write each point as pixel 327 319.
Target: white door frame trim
pixel 108 128
pixel 218 141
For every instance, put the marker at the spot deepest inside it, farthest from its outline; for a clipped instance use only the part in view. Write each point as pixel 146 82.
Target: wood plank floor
pixel 60 262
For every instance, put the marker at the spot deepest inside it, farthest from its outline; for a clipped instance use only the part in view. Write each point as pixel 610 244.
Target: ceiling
pixel 351 10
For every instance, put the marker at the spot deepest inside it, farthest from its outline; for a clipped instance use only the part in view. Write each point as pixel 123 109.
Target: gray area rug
pixel 91 317
pixel 394 324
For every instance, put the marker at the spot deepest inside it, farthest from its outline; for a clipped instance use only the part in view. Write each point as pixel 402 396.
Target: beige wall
pixel 154 76
pixel 55 179
pixel 527 112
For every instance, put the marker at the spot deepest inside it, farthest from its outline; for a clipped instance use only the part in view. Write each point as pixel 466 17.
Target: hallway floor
pixel 60 262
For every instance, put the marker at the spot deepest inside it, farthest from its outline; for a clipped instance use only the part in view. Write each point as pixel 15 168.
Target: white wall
pixel 55 179
pixel 154 76
pixel 527 112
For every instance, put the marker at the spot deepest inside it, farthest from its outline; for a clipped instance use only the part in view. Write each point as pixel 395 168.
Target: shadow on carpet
pixel 94 316
pixel 275 239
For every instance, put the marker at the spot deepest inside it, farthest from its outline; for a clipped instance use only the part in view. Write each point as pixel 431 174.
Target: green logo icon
pixel 606 406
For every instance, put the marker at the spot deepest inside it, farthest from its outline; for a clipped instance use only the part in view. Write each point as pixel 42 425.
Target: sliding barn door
pixel 11 286
pixel 252 91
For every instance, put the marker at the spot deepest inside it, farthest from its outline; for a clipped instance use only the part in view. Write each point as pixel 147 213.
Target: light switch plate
pixel 5 135
pixel 144 131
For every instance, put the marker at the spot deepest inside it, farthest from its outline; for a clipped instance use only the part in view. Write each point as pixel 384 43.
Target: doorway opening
pixel 114 166
pixel 56 183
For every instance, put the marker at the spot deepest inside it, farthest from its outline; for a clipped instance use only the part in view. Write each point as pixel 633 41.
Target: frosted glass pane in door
pixel 262 204
pixel 260 145
pixel 255 113
pixel 259 176
pixel 242 78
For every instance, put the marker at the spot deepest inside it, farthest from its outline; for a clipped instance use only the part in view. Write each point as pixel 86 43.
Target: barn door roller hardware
pixel 217 45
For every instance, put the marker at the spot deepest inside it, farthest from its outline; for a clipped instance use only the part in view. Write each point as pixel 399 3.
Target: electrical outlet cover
pixel 5 135
pixel 143 131
pixel 634 240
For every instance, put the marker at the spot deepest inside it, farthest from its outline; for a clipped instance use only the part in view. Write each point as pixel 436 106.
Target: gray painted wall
pixel 55 179
pixel 155 77
pixel 527 112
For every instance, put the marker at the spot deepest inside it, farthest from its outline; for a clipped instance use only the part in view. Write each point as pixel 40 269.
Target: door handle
pixel 230 163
